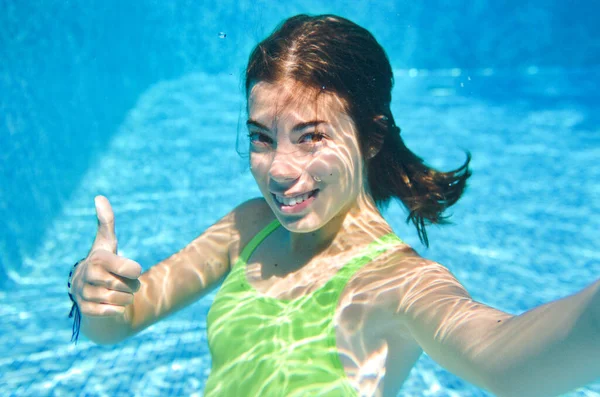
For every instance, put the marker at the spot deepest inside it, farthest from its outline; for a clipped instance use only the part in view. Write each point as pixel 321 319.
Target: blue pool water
pixel 525 233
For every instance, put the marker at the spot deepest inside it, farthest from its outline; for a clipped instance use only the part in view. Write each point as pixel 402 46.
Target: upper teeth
pixel 293 200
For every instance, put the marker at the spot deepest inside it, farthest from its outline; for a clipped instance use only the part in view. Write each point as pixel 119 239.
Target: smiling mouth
pixel 296 203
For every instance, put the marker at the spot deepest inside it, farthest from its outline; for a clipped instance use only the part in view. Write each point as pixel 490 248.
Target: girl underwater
pixel 319 297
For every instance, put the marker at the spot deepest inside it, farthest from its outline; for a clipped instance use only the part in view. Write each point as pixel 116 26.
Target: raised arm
pixel 116 304
pixel 546 351
pixel 184 277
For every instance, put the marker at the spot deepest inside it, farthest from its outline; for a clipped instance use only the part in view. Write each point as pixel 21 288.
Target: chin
pixel 305 224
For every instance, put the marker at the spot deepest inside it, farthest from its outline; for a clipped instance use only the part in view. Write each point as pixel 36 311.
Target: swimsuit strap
pixel 256 240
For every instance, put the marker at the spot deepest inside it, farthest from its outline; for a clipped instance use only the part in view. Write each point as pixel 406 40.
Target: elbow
pixel 501 381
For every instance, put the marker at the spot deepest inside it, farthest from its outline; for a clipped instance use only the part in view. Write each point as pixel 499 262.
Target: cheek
pixel 259 166
pixel 331 168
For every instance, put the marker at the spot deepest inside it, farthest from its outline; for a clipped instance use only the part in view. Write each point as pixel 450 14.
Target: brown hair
pixel 334 54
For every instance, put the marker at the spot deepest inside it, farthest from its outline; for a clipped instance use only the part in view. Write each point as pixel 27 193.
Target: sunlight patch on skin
pixel 168 286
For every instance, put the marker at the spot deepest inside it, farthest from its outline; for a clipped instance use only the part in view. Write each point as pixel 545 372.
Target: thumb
pixel 105 236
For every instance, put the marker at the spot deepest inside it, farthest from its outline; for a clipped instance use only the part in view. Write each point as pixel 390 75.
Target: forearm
pixel 549 350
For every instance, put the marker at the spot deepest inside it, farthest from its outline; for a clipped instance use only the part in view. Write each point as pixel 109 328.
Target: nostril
pixel 284 173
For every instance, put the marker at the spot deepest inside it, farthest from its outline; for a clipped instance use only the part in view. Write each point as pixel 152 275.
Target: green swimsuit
pixel 263 346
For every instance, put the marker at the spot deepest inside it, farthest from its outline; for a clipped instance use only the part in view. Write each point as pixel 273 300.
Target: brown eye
pixel 312 137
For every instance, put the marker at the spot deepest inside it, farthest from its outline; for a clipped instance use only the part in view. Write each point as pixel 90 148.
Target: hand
pixel 104 283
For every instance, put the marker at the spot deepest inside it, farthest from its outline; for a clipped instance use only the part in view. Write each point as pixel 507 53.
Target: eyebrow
pixel 297 127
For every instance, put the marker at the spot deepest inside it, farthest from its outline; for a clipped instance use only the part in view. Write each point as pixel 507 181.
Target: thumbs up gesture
pixel 104 283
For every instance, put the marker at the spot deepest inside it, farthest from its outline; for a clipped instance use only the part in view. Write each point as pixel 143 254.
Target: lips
pixel 296 203
pixel 294 200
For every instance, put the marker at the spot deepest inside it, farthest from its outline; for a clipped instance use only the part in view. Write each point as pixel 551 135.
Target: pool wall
pixel 70 72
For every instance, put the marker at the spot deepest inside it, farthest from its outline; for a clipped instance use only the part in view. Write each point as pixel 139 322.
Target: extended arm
pixel 546 351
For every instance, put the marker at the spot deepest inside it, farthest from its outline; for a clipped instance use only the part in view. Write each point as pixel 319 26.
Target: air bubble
pixel 317 179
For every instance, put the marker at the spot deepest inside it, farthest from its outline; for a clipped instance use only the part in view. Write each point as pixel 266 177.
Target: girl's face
pixel 304 154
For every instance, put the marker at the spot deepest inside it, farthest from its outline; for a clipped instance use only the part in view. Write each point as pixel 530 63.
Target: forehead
pixel 293 99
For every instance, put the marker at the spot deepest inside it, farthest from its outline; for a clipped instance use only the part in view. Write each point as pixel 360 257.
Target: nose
pixel 283 168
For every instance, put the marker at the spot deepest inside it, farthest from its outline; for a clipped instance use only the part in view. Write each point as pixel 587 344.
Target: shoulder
pixel 248 219
pixel 252 214
pixel 410 280
pixel 254 205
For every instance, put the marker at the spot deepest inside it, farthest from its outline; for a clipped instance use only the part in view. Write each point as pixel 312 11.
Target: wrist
pixel 71 277
pixel 74 307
